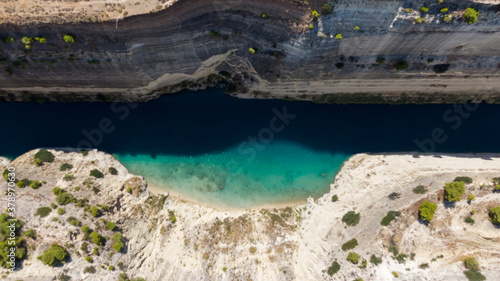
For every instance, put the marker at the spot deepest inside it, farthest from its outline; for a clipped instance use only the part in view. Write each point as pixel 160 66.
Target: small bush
pixel 408 10
pixel 69 39
pixel 75 222
pixel 380 60
pixel 118 242
pixel 466 180
pixel 109 225
pixel 338 36
pixel 420 189
pixel 353 257
pixel 89 259
pixel 427 210
pixel 334 268
pixel 214 33
pixel 57 190
pixel 43 211
pixel 96 173
pixel 454 190
pixel 351 218
pixel 443 10
pixel 95 212
pixel 96 238
pixel 470 220
pixel 61 211
pixel 68 177
pixel 253 250
pixel 391 215
pixel 315 14
pixel 31 233
pixel 349 245
pixel 37 161
pixel 424 9
pixel 335 198
pixel 172 217
pixel 326 8
pixel 54 255
pixel 471 15
pixel 113 171
pixel 401 65
pixel 424 266
pixel 86 229
pixel 84 152
pixel 89 269
pixel 44 156
pixel 395 274
pixel 471 197
pixel 65 167
pixel 252 50
pixel 474 275
pixel 471 263
pixel 495 215
pixel 375 260
pixel 64 198
pixel 35 184
pixel 394 196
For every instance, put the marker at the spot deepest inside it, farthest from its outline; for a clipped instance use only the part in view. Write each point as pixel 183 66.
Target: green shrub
pixel 315 14
pixel 326 8
pixel 424 9
pixel 401 65
pixel 420 189
pixel 495 215
pixel 113 171
pixel 95 189
pixel 64 198
pixel 466 180
pixel 61 211
pixel 443 10
pixel 65 167
pixel 171 214
pixel 338 36
pixel 111 268
pixel 44 156
pixel 109 225
pixel 454 190
pixel 471 197
pixel 471 263
pixel 353 257
pixel 69 39
pixel 335 198
pixel 68 177
pixel 35 184
pixel 394 196
pixel 408 10
pixel 54 255
pixel 123 277
pixel 424 266
pixel 253 250
pixel 96 173
pixel 447 18
pixel 85 247
pixel 334 268
pixel 420 20
pixel 84 152
pixel 75 222
pixel 351 218
pixel 470 220
pixel 57 190
pixel 118 241
pixel 89 259
pixel 252 50
pixel 395 274
pixel 31 233
pixel 95 212
pixel 364 263
pixel 375 260
pixel 5 237
pixel 391 215
pixel 349 245
pixel 427 210
pixel 474 275
pixel 471 15
pixel 43 211
pixel 105 208
pixel 129 190
pixel 89 269
pixel 37 162
pixel 86 229
pixel 96 238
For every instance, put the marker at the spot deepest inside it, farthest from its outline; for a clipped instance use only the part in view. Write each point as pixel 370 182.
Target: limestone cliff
pixel 263 49
pixel 168 238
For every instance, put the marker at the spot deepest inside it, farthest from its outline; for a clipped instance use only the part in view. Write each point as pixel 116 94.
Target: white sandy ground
pixel 302 246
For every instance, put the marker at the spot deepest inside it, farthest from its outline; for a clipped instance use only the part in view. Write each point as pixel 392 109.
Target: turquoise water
pixel 199 144
pixel 282 172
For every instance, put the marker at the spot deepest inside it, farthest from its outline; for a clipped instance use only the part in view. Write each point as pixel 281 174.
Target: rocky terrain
pixel 168 238
pixel 259 49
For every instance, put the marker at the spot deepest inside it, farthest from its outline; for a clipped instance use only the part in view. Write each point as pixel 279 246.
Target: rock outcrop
pixel 169 238
pixel 198 44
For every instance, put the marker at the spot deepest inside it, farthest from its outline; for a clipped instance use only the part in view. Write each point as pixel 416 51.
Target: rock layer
pixel 197 44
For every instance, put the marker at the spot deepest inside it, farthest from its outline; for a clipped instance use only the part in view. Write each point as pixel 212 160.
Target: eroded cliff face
pixel 167 238
pixel 197 44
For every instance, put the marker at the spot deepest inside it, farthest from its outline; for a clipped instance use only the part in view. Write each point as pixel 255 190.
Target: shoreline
pixel 155 190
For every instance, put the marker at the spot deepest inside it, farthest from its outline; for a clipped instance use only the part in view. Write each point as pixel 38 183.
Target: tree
pixel 351 218
pixel 44 156
pixel 427 210
pixel 54 255
pixel 349 245
pixel 495 215
pixel 113 171
pixel 471 15
pixel 353 257
pixel 454 190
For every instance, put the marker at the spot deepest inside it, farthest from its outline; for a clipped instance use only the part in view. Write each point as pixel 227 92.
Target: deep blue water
pixel 200 143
